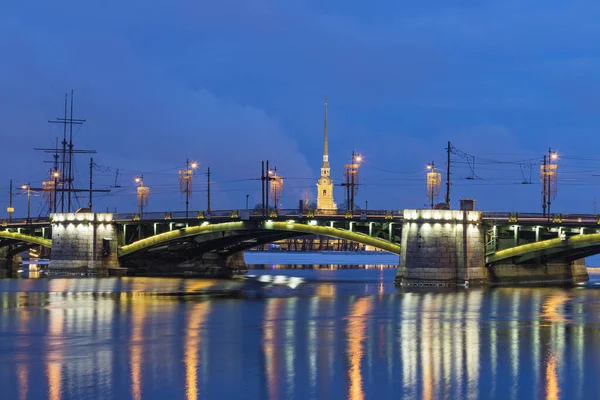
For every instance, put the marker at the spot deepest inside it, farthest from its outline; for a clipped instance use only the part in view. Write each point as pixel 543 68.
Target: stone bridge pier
pixel 448 247
pixel 442 247
pixel 83 242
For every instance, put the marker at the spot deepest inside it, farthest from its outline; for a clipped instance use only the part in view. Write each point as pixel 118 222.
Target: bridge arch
pixel 259 227
pixel 20 237
pixel 572 248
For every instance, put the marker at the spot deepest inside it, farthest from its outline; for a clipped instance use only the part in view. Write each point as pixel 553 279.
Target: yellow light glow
pixel 137 180
pixel 358 158
pixel 554 156
pixel 428 166
pixel 56 174
pixel 24 187
pixel 194 165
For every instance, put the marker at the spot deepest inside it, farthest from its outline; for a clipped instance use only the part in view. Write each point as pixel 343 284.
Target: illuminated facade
pixel 83 241
pixel 325 184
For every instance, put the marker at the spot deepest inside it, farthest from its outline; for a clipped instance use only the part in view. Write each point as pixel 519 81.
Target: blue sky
pixel 231 83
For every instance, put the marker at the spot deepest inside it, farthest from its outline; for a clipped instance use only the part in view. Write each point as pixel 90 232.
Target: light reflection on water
pixel 118 338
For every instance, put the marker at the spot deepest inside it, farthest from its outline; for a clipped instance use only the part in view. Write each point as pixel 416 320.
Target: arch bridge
pixel 522 239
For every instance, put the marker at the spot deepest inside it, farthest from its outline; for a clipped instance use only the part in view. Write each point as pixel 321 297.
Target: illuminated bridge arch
pixel 258 229
pixel 22 238
pixel 570 249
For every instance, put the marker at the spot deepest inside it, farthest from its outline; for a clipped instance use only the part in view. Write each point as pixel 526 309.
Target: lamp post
pixel 351 174
pixel 185 182
pixel 551 174
pixel 247 197
pixel 433 183
pixel 356 160
pixel 142 194
pixel 55 175
pixel 28 188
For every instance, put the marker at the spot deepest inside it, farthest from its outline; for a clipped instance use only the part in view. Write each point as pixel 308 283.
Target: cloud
pixel 138 118
pixel 232 83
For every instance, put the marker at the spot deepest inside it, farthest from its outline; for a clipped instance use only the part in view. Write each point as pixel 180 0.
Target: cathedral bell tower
pixel 325 184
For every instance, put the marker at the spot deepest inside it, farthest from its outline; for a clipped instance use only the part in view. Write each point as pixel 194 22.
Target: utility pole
pixel 208 195
pixel 348 192
pixel 544 186
pixel 352 191
pixel 187 189
pixel 10 209
pixel 247 197
pixel 267 183
pixel 91 184
pixel 28 187
pixel 262 186
pixel 449 149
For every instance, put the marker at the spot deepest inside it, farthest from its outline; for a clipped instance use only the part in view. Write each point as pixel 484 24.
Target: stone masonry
pixel 83 241
pixel 442 247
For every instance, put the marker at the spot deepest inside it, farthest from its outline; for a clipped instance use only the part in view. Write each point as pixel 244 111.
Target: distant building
pixel 325 184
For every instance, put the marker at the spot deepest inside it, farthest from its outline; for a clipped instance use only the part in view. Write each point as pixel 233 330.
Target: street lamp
pixel 551 170
pixel 185 182
pixel 351 174
pixel 28 188
pixel 275 187
pixel 247 197
pixel 143 193
pixel 56 175
pixel 434 180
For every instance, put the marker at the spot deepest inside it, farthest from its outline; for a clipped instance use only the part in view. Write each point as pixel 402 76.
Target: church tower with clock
pixel 325 184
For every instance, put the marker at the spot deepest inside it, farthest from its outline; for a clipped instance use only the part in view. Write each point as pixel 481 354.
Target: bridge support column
pixel 83 243
pixel 442 247
pixel 9 263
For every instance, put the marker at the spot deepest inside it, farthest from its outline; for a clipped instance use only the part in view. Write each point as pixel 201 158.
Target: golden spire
pixel 325 141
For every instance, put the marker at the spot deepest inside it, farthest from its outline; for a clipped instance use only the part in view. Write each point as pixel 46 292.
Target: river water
pixel 341 333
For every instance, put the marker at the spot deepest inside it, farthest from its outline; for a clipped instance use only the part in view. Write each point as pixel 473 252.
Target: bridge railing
pixel 25 221
pixel 539 217
pixel 242 213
